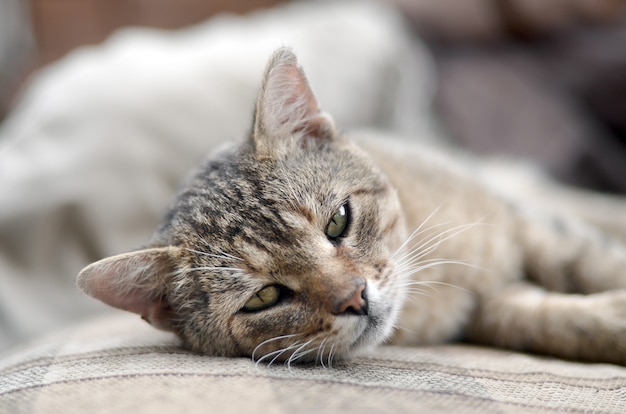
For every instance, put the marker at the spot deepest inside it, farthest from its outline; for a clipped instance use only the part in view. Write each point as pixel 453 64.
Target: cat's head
pixel 279 248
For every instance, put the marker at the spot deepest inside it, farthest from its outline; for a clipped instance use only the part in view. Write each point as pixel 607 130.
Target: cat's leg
pixel 529 318
pixel 567 255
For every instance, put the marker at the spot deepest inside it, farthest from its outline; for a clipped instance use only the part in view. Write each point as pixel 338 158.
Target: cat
pixel 293 245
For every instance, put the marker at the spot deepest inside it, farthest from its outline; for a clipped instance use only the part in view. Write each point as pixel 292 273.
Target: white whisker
pixel 414 263
pixel 320 352
pixel 330 356
pixel 401 328
pixel 421 292
pixel 221 255
pixel 427 264
pixel 418 230
pixel 267 341
pixel 442 262
pixel 229 269
pixel 278 353
pixel 432 285
pixel 299 353
pixel 433 241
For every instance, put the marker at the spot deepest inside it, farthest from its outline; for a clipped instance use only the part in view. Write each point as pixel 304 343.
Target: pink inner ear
pixel 297 106
pixel 300 94
pixel 131 299
pixel 133 282
pixel 287 104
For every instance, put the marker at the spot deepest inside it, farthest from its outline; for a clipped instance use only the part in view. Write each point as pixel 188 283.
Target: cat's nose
pixel 355 303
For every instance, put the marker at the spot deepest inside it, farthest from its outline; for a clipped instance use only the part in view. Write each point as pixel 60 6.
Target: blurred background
pixel 511 73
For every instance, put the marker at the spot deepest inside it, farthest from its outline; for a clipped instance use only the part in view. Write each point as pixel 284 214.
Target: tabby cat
pixel 293 246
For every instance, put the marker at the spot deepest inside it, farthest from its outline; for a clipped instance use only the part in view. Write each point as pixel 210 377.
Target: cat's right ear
pixel 135 282
pixel 286 106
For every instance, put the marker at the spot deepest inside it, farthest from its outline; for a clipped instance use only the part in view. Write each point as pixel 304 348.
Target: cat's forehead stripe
pixel 305 212
pixel 379 189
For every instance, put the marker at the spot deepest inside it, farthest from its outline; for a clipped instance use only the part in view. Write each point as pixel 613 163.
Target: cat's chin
pixel 372 330
pixel 375 334
pixel 379 324
pixel 356 337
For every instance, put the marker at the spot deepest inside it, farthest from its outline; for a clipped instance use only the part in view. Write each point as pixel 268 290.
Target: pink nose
pixel 355 304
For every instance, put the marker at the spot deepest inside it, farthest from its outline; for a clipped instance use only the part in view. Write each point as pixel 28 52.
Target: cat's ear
pixel 133 282
pixel 286 107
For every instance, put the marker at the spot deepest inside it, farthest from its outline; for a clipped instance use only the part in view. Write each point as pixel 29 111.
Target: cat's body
pixel 533 274
pixel 296 245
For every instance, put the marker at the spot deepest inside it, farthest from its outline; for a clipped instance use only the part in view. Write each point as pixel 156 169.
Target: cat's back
pixel 429 177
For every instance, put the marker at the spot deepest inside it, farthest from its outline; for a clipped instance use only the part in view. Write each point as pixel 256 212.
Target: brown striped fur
pixel 484 264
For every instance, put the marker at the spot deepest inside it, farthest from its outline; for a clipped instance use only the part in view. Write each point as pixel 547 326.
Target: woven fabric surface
pixel 119 364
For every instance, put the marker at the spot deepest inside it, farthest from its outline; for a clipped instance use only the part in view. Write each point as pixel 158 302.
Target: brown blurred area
pixel 61 25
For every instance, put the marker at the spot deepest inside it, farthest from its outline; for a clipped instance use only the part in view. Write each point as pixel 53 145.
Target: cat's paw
pixel 609 308
pixel 586 327
pixel 603 332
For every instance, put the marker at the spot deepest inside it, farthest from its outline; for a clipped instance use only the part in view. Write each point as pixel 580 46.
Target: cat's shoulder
pixel 393 151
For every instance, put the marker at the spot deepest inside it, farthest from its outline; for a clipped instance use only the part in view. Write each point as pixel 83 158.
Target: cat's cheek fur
pixel 278 333
pixel 311 334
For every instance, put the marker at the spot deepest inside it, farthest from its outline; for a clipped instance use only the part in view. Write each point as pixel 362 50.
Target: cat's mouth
pixel 351 335
pixel 369 330
pixel 375 327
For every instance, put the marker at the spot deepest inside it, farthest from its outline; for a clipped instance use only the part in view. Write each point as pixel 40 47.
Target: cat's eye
pixel 338 223
pixel 263 299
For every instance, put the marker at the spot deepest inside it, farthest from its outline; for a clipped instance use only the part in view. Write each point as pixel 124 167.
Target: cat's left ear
pixel 135 282
pixel 286 107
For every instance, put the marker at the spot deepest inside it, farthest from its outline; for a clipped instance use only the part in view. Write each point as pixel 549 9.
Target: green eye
pixel 264 298
pixel 339 223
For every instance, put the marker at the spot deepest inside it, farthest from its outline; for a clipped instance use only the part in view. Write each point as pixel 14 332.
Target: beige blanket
pixel 121 365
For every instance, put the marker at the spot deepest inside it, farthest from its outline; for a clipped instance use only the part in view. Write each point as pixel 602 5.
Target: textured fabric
pixel 122 365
